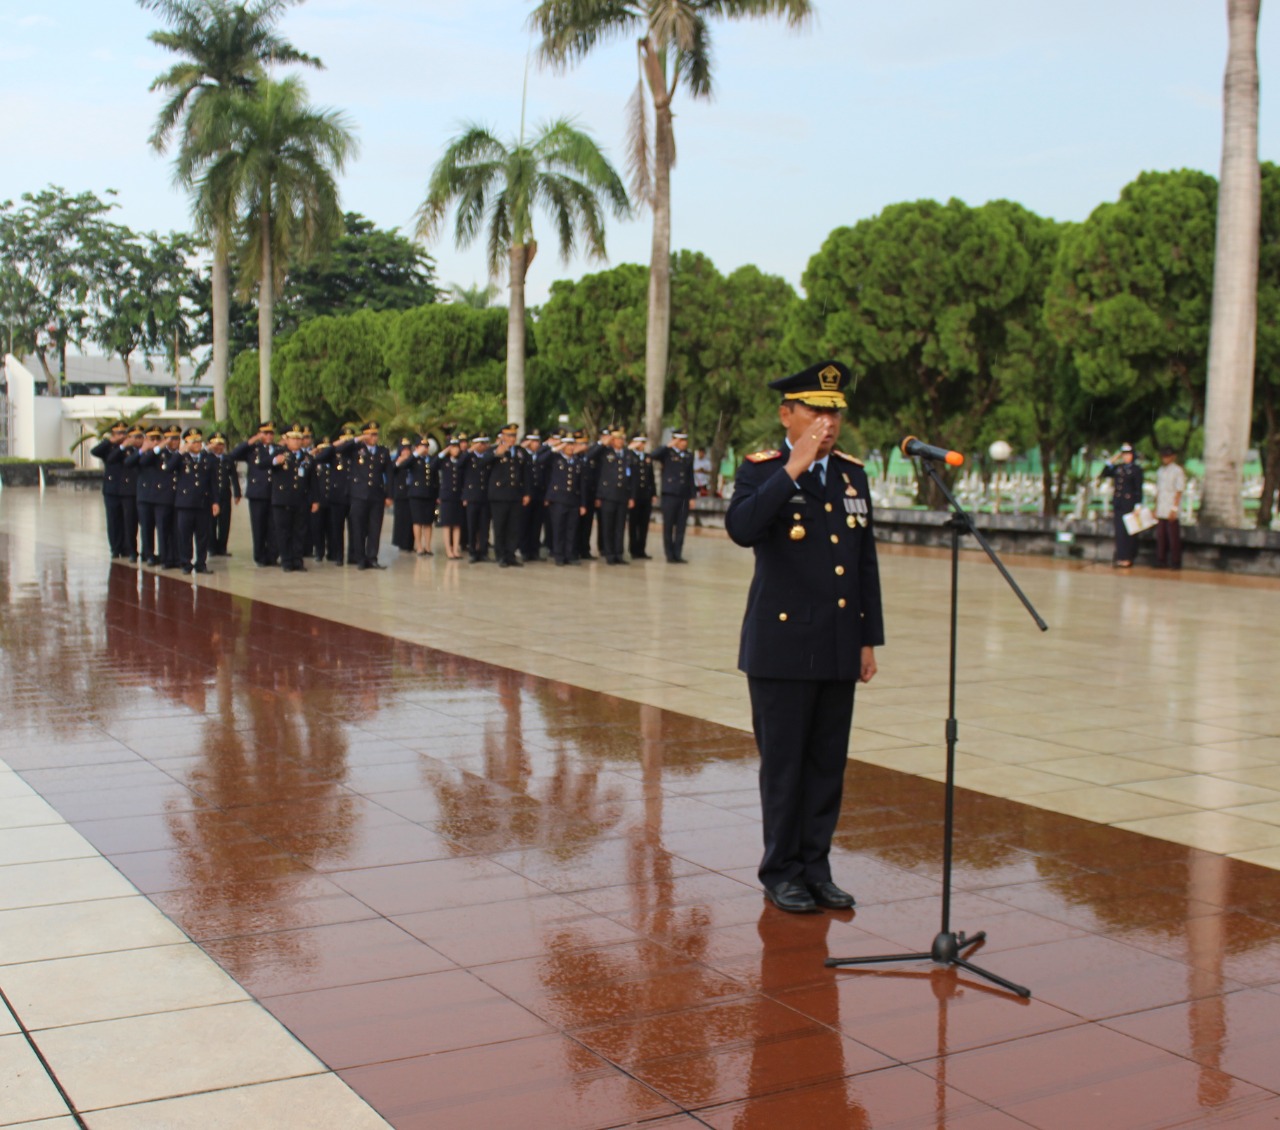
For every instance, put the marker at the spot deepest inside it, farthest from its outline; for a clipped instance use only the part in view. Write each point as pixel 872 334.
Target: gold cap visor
pixel 818 399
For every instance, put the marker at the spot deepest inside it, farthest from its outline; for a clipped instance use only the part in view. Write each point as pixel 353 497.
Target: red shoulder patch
pixel 764 456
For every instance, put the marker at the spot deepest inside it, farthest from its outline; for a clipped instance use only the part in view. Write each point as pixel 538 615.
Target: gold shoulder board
pixel 764 456
pixel 850 458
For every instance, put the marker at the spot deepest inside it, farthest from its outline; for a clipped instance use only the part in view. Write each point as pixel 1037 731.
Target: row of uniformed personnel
pixel 307 499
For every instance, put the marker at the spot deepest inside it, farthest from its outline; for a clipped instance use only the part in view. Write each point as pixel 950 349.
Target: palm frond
pixel 570 29
pixel 639 151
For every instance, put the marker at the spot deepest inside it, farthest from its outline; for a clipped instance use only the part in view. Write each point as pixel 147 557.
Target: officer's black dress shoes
pixel 792 897
pixel 829 895
pixel 203 569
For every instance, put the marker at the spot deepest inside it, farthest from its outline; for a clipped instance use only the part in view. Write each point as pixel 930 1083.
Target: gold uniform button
pixel 828 508
pixel 782 615
pixel 842 602
pixel 840 573
pixel 835 540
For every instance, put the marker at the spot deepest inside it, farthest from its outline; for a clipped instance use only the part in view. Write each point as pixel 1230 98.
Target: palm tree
pixel 1234 321
pixel 562 170
pixel 271 159
pixel 224 47
pixel 674 50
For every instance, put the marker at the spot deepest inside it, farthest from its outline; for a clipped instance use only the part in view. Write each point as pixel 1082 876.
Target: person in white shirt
pixel 1171 481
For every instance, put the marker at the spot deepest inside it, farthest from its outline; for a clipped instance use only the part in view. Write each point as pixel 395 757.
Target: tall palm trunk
pixel 220 364
pixel 1233 330
pixel 658 336
pixel 266 304
pixel 519 258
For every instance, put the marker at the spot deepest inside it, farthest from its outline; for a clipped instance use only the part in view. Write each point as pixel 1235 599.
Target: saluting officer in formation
pixel 535 515
pixel 259 452
pixel 195 499
pixel 616 482
pixel 111 450
pixel 567 496
pixel 646 487
pixel 226 493
pixel 475 500
pixel 369 487
pixel 677 491
pixel 293 500
pixel 508 482
pixel 812 624
pixel 157 491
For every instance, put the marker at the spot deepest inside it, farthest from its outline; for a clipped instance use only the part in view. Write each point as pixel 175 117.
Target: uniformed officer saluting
pixel 812 623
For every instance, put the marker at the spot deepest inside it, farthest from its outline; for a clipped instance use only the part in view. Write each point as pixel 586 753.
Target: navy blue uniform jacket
pixel 814 601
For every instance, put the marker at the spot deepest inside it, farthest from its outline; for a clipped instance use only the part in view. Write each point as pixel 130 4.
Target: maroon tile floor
pixel 488 899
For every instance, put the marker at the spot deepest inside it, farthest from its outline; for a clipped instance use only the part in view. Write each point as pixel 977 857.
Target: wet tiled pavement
pixel 480 897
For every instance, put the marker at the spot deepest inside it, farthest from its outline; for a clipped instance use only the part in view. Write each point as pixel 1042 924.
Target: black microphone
pixel 914 447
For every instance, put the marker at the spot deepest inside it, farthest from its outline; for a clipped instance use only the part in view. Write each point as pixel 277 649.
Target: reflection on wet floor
pixel 487 898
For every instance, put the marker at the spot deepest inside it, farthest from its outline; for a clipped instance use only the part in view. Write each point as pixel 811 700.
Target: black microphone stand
pixel 950 948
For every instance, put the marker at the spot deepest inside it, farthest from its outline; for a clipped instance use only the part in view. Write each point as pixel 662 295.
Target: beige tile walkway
pixel 141 1027
pixel 1149 704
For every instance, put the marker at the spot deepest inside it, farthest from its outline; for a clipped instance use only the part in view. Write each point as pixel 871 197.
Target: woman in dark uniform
pixel 451 514
pixel 424 490
pixel 1128 494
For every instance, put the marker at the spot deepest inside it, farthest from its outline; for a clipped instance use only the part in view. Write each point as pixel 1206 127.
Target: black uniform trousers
pixel 402 525
pixel 264 548
pixel 193 527
pixel 563 524
pixel 1126 543
pixel 147 532
pixel 338 513
pixel 582 541
pixel 289 525
pixel 478 517
pixel 507 516
pixel 613 525
pixel 531 523
pixel 365 530
pixel 166 535
pixel 675 516
pixel 221 529
pixel 115 524
pixel 129 508
pixel 318 532
pixel 802 731
pixel 638 520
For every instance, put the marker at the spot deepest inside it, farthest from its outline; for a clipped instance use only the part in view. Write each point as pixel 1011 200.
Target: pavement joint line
pixel 48 1069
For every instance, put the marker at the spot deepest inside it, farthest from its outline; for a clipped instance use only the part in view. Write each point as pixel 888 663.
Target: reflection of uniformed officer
pixel 677 489
pixel 195 500
pixel 812 622
pixel 615 494
pixel 258 452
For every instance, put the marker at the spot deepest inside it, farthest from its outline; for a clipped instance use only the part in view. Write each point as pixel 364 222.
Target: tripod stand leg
pixel 1021 990
pixel 832 962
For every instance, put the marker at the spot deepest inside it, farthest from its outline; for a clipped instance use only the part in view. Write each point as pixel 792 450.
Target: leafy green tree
pixel 330 367
pixel 51 250
pixel 590 335
pixel 726 345
pixel 124 271
pixel 1266 388
pixel 501 185
pixel 368 268
pixel 476 296
pixel 434 351
pixel 223 48
pixel 673 48
pixel 917 301
pixel 275 159
pixel 1129 297
pixel 242 395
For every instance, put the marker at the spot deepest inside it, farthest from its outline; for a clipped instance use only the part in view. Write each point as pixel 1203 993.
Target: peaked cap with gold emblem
pixel 819 386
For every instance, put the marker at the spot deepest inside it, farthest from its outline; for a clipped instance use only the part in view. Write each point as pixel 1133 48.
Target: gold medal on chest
pixel 797 533
pixel 851 521
pixel 851 491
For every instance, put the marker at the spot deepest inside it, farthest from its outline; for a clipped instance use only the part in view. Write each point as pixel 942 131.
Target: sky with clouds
pixel 1056 104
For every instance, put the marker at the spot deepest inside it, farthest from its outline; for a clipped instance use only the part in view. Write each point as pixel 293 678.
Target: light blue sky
pixel 1053 103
